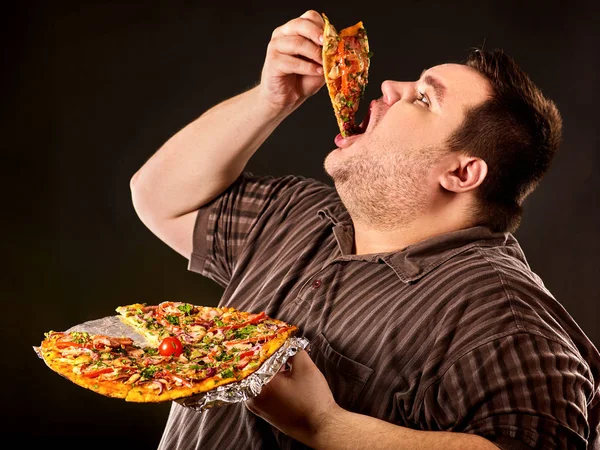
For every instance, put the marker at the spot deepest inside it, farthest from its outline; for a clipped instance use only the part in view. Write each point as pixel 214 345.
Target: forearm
pixel 204 158
pixel 347 430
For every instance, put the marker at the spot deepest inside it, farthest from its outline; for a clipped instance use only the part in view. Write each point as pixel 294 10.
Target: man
pixel 428 329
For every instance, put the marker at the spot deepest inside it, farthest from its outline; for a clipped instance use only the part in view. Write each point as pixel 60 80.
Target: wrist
pixel 276 112
pixel 329 426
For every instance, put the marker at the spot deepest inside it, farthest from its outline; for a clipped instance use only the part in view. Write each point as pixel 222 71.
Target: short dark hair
pixel 516 132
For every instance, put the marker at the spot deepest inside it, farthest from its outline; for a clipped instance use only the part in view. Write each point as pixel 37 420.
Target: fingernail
pixel 320 70
pixel 321 38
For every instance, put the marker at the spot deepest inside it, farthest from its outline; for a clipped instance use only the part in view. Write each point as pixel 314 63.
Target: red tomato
pixel 170 346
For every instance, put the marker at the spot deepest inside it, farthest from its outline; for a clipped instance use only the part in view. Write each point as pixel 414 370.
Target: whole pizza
pixel 191 349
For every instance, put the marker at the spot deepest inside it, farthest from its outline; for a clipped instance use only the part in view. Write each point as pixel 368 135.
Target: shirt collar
pixel 416 260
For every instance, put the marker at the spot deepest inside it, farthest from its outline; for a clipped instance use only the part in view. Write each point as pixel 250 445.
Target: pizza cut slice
pixel 191 323
pixel 346 60
pixel 104 364
pixel 156 322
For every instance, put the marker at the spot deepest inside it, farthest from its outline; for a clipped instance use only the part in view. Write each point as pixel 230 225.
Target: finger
pixel 314 17
pixel 286 64
pixel 298 45
pixel 302 27
pixel 300 362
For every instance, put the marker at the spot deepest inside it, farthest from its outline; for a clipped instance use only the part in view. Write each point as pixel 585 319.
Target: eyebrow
pixel 438 87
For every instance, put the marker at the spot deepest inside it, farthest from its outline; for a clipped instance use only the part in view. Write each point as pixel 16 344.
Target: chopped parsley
pixel 245 332
pixel 80 337
pixel 174 320
pixel 227 373
pixel 223 356
pixel 148 372
pixel 186 309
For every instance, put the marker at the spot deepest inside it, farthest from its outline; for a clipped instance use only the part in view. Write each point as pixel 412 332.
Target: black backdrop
pixel 92 89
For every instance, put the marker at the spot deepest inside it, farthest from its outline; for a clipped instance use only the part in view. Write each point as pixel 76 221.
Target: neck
pixel 369 240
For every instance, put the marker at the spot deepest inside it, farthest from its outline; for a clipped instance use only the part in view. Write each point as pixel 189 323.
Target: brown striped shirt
pixel 454 333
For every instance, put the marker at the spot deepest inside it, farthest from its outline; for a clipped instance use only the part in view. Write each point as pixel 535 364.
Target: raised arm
pixel 205 157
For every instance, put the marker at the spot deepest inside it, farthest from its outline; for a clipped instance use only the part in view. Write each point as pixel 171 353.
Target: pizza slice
pixel 228 346
pixel 346 60
pixel 191 323
pixel 156 322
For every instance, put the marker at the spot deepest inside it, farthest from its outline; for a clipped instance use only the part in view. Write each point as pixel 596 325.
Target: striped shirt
pixel 453 333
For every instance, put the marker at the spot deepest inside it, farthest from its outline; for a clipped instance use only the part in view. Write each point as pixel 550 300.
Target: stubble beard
pixel 384 191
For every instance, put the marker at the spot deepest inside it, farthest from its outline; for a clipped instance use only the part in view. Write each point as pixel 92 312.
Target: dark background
pixel 91 90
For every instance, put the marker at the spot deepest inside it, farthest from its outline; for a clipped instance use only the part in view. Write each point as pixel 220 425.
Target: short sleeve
pixel 518 391
pixel 224 226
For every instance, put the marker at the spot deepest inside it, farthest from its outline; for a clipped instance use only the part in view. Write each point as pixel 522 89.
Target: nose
pixel 394 90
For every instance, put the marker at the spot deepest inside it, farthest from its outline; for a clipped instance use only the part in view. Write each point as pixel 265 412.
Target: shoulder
pixel 280 185
pixel 287 197
pixel 495 295
pixel 490 292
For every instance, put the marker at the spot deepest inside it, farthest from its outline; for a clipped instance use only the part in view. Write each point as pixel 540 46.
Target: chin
pixel 327 165
pixel 334 169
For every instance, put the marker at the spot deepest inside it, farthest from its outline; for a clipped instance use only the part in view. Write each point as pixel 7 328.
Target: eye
pixel 423 99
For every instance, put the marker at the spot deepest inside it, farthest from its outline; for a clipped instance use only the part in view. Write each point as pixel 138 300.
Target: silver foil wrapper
pixel 235 392
pixel 250 386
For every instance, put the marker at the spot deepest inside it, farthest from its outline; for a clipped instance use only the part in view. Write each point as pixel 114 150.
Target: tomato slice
pixel 256 319
pixel 170 346
pixel 243 355
pixel 67 344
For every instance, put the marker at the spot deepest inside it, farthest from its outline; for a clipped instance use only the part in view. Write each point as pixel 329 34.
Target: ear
pixel 465 173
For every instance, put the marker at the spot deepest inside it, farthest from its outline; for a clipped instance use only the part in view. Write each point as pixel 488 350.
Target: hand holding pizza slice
pixel 346 59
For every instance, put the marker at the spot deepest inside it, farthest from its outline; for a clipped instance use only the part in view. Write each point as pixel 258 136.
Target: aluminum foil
pixel 111 326
pixel 252 385
pixel 235 392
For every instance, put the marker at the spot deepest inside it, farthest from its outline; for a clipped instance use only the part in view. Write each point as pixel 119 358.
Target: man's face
pixel 386 175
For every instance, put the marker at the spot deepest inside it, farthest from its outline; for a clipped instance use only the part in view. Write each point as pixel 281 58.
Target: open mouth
pixel 362 127
pixel 343 142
